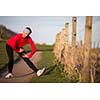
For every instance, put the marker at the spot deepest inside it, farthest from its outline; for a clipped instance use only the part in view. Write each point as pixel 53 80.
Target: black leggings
pixel 11 59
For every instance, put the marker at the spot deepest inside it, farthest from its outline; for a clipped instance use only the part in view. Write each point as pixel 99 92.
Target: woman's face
pixel 24 34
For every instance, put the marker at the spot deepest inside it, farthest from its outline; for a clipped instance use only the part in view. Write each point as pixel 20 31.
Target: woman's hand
pixel 21 50
pixel 25 56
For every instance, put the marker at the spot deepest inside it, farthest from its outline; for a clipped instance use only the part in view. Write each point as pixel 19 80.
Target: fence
pixel 78 58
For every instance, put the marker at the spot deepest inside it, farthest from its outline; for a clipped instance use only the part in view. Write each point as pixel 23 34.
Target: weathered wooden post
pixel 66 42
pixel 74 31
pixel 56 47
pixel 61 44
pixel 66 57
pixel 87 48
pixel 74 20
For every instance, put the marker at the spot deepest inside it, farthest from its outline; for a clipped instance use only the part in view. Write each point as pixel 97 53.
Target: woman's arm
pixel 33 47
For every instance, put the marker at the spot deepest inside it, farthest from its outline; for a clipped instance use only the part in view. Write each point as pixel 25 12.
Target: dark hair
pixel 29 30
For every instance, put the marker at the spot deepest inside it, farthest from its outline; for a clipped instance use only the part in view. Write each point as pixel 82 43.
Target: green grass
pixel 39 47
pixel 3 55
pixel 44 47
pixel 53 73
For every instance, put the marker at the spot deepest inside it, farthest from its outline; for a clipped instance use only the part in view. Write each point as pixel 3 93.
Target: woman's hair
pixel 29 30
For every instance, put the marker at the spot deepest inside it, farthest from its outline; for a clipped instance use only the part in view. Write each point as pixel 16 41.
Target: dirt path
pixel 22 73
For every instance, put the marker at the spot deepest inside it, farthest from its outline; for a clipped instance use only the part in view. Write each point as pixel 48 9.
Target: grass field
pixel 53 73
pixel 3 55
pixel 44 47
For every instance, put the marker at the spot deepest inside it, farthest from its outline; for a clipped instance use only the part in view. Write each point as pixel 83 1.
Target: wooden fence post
pixel 62 43
pixel 74 20
pixel 66 43
pixel 66 55
pixel 56 46
pixel 87 48
pixel 74 31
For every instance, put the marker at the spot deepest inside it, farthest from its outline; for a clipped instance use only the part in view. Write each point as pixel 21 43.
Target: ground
pixel 22 73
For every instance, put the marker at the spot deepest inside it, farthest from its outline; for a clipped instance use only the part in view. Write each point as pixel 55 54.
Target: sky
pixel 45 28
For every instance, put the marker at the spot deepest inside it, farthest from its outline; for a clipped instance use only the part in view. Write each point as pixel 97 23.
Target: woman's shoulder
pixel 30 39
pixel 19 35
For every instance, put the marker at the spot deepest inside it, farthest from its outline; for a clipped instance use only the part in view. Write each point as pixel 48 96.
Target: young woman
pixel 16 44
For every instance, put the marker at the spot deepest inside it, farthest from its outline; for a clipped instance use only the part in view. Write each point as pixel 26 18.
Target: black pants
pixel 11 59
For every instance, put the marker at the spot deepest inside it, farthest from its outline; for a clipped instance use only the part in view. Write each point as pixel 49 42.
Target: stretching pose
pixel 16 44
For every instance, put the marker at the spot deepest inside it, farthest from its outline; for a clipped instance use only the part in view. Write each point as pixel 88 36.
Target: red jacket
pixel 17 42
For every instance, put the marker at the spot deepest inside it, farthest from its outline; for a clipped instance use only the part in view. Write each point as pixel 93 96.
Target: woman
pixel 16 44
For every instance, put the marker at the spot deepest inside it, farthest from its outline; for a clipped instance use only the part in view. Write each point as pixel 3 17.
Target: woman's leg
pixel 10 57
pixel 28 61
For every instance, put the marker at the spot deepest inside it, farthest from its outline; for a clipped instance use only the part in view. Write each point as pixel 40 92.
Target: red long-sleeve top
pixel 17 42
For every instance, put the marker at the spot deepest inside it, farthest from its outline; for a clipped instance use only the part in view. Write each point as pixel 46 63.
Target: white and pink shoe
pixel 40 72
pixel 9 75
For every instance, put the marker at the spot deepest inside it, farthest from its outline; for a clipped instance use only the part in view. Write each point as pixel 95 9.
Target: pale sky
pixel 45 28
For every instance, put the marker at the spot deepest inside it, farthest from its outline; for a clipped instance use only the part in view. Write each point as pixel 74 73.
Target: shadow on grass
pixel 49 69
